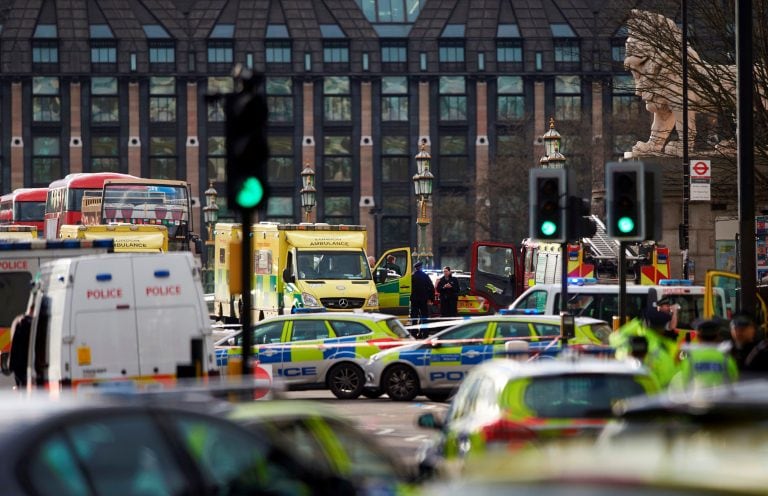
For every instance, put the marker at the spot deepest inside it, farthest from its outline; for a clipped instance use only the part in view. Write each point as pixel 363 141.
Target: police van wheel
pixel 401 383
pixel 372 393
pixel 346 381
pixel 439 396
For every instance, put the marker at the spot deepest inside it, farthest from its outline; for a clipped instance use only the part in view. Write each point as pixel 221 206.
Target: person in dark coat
pixel 21 329
pixel 743 338
pixel 448 288
pixel 422 292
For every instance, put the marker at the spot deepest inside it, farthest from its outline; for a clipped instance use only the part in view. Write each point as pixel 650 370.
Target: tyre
pixel 439 396
pixel 346 381
pixel 401 383
pixel 372 393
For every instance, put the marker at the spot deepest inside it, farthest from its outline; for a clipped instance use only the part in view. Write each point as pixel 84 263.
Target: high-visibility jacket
pixel 706 365
pixel 660 359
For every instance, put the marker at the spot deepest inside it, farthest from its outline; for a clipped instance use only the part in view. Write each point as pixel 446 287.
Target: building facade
pixel 353 86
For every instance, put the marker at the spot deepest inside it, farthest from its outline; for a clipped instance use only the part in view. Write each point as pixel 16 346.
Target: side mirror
pixel 429 421
pixel 5 363
pixel 288 276
pixel 380 276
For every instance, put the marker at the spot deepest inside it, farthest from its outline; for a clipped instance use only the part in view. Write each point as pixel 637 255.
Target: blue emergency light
pixel 520 311
pixel 308 310
pixel 162 273
pixel 581 281
pixel 103 277
pixel 675 282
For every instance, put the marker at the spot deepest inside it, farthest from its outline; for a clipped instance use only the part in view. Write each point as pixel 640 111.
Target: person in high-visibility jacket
pixel 659 358
pixel 709 362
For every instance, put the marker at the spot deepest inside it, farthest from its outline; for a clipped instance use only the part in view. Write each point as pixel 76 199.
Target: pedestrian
pixel 422 292
pixel 707 363
pixel 659 357
pixel 448 289
pixel 371 261
pixel 743 338
pixel 21 328
pixel 665 305
pixel 756 361
pixel 391 265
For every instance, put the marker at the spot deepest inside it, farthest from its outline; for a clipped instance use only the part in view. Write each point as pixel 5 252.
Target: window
pixel 218 85
pixel 162 157
pixel 45 47
pixel 46 102
pixel 217 159
pixel 397 11
pixel 451 55
pixel 394 55
pixel 105 154
pixel 278 51
pixel 271 333
pixel 46 159
pixel 394 98
pixel 510 100
pixel 103 54
pixel 162 99
pixel 105 107
pixel 338 209
pixel 280 99
pixel 343 328
pixel 453 158
pixel 469 331
pixel 625 104
pixel 453 98
pixel 162 55
pixel 336 52
pixel 220 52
pixel 394 159
pixel 567 98
pixel 396 221
pixel 337 100
pixel 280 209
pixel 509 54
pixel 307 330
pixel 280 166
pixel 337 158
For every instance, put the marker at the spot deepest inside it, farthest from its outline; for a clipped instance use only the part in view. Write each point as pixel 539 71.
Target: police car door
pixel 506 335
pixel 305 353
pixel 268 345
pixel 452 353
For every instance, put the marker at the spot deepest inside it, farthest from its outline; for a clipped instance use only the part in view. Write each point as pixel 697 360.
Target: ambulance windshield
pixel 347 265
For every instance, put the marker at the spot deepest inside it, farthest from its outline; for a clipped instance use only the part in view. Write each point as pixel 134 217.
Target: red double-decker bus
pixel 65 197
pixel 24 206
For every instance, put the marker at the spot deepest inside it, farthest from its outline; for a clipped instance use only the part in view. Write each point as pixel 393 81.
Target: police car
pixel 436 366
pixel 318 350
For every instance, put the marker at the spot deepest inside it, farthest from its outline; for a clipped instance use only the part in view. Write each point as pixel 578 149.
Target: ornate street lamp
pixel 210 216
pixel 553 158
pixel 423 182
pixel 308 192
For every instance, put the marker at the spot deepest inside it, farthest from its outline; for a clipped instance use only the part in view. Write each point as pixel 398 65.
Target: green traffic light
pixel 625 224
pixel 251 193
pixel 548 228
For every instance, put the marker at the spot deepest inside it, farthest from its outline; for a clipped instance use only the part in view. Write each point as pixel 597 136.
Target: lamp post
pixel 210 216
pixel 422 183
pixel 308 192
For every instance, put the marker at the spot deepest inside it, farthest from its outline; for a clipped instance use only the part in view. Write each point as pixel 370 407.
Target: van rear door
pixel 103 321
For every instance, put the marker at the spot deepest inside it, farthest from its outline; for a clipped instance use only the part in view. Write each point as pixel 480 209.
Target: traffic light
pixel 247 149
pixel 547 198
pixel 625 197
pixel 580 225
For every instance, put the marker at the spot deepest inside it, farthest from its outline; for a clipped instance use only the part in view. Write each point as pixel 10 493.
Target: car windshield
pixel 333 265
pixel 579 395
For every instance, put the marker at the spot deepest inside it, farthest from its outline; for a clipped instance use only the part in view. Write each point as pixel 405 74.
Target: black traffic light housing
pixel 548 190
pixel 247 148
pixel 633 201
pixel 580 225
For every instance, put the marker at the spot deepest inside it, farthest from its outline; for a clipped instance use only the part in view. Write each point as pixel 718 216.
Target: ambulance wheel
pixel 439 396
pixel 346 381
pixel 401 383
pixel 372 393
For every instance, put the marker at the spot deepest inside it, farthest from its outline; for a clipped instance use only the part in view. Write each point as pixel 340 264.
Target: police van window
pixel 469 331
pixel 14 290
pixel 305 330
pixel 512 329
pixel 536 300
pixel 546 329
pixel 345 328
pixel 265 334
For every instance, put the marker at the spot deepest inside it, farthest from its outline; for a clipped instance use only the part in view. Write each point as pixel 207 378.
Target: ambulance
pixel 133 319
pixel 296 267
pixel 19 264
pixel 141 238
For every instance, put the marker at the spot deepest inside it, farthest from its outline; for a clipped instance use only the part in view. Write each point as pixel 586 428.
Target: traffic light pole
pixel 563 289
pixel 622 282
pixel 245 311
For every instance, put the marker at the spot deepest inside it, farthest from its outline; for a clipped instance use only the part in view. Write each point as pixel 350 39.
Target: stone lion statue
pixel 658 81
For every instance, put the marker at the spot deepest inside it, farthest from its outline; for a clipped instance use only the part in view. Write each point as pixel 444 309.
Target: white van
pixel 601 301
pixel 127 318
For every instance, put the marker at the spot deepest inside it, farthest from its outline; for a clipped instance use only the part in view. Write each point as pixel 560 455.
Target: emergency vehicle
pixel 295 266
pixel 20 262
pixel 121 319
pixel 146 238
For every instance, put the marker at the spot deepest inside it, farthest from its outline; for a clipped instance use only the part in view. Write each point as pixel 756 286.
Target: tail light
pixel 504 430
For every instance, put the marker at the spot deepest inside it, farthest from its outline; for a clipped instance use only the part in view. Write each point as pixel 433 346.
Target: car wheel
pixel 372 393
pixel 439 396
pixel 346 381
pixel 401 383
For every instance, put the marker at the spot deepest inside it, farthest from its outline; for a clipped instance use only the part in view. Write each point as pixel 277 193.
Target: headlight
pixel 373 300
pixel 310 300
